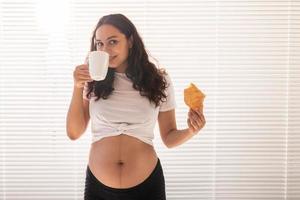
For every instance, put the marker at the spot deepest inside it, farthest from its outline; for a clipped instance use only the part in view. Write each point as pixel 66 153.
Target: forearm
pixel 75 116
pixel 178 137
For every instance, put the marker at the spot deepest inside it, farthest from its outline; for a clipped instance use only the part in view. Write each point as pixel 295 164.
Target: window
pixel 243 54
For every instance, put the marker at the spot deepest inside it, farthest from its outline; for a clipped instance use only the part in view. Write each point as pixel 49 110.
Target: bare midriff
pixel 121 161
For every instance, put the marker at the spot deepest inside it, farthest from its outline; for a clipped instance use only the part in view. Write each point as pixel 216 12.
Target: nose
pixel 105 49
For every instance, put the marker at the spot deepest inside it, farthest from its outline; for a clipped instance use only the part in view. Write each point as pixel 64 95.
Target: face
pixel 111 40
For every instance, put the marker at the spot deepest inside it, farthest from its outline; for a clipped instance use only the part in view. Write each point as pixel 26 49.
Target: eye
pixel 113 42
pixel 98 43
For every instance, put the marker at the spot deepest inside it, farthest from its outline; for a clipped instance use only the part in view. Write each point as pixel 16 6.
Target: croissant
pixel 193 97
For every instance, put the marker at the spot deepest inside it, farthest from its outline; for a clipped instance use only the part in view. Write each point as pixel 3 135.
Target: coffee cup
pixel 98 62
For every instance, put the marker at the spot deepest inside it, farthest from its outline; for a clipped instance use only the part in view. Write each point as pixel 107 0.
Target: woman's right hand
pixel 81 75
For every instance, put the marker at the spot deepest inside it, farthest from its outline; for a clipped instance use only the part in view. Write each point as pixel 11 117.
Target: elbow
pixel 167 140
pixel 74 132
pixel 168 145
pixel 73 135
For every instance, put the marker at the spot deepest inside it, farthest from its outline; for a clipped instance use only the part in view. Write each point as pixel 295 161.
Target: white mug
pixel 98 64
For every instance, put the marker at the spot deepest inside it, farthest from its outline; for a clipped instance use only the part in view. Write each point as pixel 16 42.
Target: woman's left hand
pixel 195 121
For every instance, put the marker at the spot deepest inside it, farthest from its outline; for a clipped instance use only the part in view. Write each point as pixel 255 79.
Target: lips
pixel 112 57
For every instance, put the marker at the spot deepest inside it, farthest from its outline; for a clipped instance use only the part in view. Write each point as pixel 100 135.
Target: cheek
pixel 122 55
pixel 121 52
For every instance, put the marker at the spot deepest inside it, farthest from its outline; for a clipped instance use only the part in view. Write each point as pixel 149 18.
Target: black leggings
pixel 153 188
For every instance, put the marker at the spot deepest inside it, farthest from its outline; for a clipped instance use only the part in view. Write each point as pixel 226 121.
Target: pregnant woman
pixel 123 109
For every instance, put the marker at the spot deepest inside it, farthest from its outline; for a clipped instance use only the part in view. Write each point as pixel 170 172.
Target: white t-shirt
pixel 125 111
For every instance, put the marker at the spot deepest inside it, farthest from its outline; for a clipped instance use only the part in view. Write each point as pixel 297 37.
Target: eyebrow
pixel 114 36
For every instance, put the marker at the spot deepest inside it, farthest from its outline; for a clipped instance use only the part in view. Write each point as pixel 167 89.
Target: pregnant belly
pixel 121 161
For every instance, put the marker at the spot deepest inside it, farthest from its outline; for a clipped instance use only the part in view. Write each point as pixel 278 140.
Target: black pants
pixel 153 188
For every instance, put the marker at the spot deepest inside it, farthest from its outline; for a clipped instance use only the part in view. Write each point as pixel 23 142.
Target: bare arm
pixel 168 129
pixel 78 113
pixel 171 137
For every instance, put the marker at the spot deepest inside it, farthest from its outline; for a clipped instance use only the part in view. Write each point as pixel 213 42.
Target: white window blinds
pixel 244 55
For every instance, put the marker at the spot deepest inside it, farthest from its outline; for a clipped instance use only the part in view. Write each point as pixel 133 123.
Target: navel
pixel 120 163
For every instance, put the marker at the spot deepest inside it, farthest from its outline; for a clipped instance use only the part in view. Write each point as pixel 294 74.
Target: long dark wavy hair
pixel 146 77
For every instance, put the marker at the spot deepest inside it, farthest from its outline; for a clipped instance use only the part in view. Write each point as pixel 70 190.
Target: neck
pixel 122 67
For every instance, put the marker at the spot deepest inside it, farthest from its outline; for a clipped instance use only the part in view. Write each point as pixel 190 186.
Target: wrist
pixel 75 87
pixel 191 132
pixel 77 90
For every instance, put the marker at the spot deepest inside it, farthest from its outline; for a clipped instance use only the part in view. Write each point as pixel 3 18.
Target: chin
pixel 112 66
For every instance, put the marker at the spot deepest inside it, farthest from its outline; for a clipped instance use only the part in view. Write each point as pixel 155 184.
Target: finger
pixel 200 115
pixel 197 124
pixel 84 78
pixel 199 120
pixel 201 124
pixel 189 113
pixel 189 122
pixel 83 72
pixel 195 116
pixel 202 118
pixel 191 125
pixel 84 66
pixel 194 123
pixel 197 113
